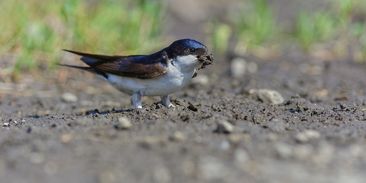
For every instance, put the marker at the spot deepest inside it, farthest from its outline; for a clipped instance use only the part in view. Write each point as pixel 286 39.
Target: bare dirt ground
pixel 316 135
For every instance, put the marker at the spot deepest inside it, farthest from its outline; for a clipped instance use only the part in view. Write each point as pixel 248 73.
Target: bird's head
pixel 190 53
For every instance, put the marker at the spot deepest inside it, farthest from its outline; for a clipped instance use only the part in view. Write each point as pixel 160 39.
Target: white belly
pixel 173 81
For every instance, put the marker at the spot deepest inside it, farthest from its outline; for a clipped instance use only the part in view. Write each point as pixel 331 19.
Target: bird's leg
pixel 166 101
pixel 136 100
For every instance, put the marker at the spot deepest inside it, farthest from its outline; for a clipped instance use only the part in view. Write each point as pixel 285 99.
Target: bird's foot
pixel 166 102
pixel 137 107
pixel 170 105
pixel 136 100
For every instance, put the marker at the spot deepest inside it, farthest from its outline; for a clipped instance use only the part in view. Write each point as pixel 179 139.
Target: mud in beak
pixel 205 59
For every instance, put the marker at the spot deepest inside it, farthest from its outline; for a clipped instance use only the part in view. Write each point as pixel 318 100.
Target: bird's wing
pixel 129 68
pixel 142 67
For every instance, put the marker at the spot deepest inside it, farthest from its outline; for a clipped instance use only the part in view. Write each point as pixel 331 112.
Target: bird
pixel 158 74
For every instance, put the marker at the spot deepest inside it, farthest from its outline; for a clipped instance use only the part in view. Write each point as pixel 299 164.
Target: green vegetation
pixel 312 28
pixel 220 37
pixel 256 24
pixel 36 31
pixel 338 27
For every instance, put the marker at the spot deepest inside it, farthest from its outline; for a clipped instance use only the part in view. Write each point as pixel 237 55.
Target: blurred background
pixel 33 32
pixel 284 101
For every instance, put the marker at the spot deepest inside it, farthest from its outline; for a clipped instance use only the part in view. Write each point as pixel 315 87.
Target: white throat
pixel 186 63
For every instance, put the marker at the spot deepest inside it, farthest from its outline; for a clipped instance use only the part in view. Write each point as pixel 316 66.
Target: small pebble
pixel 238 67
pixel 235 138
pixel 321 93
pixel 224 127
pixel 66 138
pixel 178 137
pixel 69 97
pixel 259 118
pixel 123 124
pixel 307 135
pixel 268 96
pixel 283 150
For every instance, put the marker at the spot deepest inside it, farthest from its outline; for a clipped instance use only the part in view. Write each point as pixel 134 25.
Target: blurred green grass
pixel 35 31
pixel 339 27
pixel 256 24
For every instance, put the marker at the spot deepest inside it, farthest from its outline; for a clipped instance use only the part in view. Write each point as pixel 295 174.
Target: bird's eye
pixel 192 50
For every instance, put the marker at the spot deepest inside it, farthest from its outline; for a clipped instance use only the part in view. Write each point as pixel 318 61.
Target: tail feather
pixel 77 67
pixel 93 59
pixel 89 69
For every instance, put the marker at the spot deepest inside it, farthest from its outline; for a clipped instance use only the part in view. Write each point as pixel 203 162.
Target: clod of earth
pixel 205 60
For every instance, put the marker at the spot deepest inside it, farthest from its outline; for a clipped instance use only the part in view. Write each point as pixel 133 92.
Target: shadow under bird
pixel 159 74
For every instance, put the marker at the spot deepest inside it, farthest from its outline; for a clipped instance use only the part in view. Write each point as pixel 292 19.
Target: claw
pixel 171 105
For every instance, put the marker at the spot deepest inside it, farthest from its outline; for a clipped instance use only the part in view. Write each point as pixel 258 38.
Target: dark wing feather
pixel 131 69
pixel 138 66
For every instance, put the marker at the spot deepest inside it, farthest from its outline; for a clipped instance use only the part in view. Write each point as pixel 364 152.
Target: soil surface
pixel 70 126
